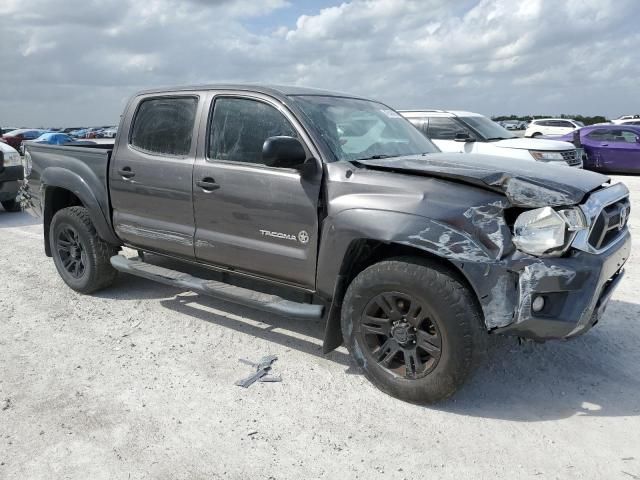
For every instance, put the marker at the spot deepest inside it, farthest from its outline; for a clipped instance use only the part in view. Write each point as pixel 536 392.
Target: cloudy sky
pixel 75 62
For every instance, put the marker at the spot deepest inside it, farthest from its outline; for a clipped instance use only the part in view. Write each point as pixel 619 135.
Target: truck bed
pixel 84 168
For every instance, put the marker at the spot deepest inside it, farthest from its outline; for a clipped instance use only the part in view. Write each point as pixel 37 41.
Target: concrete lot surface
pixel 138 382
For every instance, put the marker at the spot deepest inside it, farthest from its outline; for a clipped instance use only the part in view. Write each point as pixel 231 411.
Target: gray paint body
pixel 448 206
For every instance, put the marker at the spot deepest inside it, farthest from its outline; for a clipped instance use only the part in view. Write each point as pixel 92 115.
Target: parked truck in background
pixel 412 256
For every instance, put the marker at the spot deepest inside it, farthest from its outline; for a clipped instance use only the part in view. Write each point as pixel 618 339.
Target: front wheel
pixel 410 325
pixel 81 257
pixel 11 205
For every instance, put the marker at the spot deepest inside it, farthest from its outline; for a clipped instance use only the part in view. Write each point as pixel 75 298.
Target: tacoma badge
pixel 286 236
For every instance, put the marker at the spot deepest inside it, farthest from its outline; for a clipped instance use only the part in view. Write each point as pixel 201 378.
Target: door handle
pixel 604 144
pixel 126 172
pixel 208 184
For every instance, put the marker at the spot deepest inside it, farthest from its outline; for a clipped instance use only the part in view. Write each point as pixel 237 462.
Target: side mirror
pixel 463 137
pixel 283 152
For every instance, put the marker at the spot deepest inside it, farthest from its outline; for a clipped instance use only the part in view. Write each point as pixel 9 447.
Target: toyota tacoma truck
pixel 410 255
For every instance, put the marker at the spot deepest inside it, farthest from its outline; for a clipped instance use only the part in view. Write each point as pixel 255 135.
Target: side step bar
pixel 220 290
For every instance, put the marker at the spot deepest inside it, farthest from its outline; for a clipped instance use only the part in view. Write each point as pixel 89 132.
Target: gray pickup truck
pixel 412 256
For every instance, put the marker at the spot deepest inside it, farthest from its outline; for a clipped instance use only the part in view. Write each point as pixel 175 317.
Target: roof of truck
pixel 286 90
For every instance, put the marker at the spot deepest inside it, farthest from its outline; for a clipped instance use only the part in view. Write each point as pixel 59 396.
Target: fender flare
pixel 58 177
pixel 463 250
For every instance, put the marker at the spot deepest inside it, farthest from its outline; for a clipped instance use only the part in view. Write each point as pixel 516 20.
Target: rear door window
pixel 239 127
pixel 600 134
pixel 164 125
pixel 443 128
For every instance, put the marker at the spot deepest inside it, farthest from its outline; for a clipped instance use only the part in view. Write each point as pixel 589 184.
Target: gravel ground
pixel 138 382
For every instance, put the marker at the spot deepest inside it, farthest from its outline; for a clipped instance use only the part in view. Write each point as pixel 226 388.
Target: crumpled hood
pixel 534 144
pixel 525 184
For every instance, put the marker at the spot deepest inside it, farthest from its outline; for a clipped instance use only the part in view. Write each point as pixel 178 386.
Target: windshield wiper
pixel 376 157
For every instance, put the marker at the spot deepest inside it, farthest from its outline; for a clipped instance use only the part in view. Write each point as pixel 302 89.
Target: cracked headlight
pixel 546 156
pixel 543 231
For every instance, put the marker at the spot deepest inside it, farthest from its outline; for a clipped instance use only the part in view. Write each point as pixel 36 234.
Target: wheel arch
pixel 364 252
pixel 63 188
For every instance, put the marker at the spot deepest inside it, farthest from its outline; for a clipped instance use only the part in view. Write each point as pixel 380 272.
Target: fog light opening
pixel 538 304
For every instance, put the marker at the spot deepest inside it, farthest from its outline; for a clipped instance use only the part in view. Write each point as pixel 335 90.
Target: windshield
pixel 360 129
pixel 488 129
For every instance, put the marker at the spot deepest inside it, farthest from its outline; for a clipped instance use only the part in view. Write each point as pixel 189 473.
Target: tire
pixel 80 255
pixel 537 134
pixel 11 206
pixel 445 331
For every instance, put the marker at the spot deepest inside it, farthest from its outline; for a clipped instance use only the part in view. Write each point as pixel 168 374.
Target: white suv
pixel 552 126
pixel 627 120
pixel 467 132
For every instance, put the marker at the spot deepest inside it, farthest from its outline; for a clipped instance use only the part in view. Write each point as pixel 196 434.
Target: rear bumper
pixel 10 179
pixel 576 291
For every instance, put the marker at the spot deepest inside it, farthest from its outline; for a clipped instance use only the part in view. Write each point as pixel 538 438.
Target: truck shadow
pixel 17 219
pixel 597 374
pixel 303 335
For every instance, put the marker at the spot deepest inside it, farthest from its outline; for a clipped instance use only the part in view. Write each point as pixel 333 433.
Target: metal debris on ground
pixel 262 373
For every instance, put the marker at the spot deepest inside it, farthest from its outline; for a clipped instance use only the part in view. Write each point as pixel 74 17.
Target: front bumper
pixel 576 290
pixel 10 180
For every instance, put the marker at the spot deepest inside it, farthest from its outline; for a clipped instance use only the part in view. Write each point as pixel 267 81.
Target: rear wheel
pixel 537 134
pixel 11 206
pixel 410 325
pixel 80 255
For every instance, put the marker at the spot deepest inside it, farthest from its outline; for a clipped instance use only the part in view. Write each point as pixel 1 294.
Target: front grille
pixel 609 224
pixel 572 157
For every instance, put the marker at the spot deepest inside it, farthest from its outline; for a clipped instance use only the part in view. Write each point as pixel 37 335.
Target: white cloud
pixel 77 61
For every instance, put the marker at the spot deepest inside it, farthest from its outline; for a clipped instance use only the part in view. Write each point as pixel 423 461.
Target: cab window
pixel 239 127
pixel 164 125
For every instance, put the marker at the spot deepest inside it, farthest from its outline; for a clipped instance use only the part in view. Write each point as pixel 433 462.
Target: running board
pixel 220 290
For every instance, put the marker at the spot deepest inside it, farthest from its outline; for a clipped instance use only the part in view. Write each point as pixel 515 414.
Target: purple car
pixel 610 148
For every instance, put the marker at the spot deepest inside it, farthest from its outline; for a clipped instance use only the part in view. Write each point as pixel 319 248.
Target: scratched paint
pixel 489 219
pixel 498 306
pixel 530 277
pixel 446 242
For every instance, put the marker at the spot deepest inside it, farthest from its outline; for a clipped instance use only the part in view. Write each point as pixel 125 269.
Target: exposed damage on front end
pixel 534 296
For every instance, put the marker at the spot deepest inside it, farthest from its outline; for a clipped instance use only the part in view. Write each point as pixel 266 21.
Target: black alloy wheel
pixel 71 251
pixel 413 327
pixel 81 257
pixel 401 334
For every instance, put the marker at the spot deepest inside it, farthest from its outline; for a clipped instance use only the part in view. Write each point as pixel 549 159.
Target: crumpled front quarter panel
pixel 461 223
